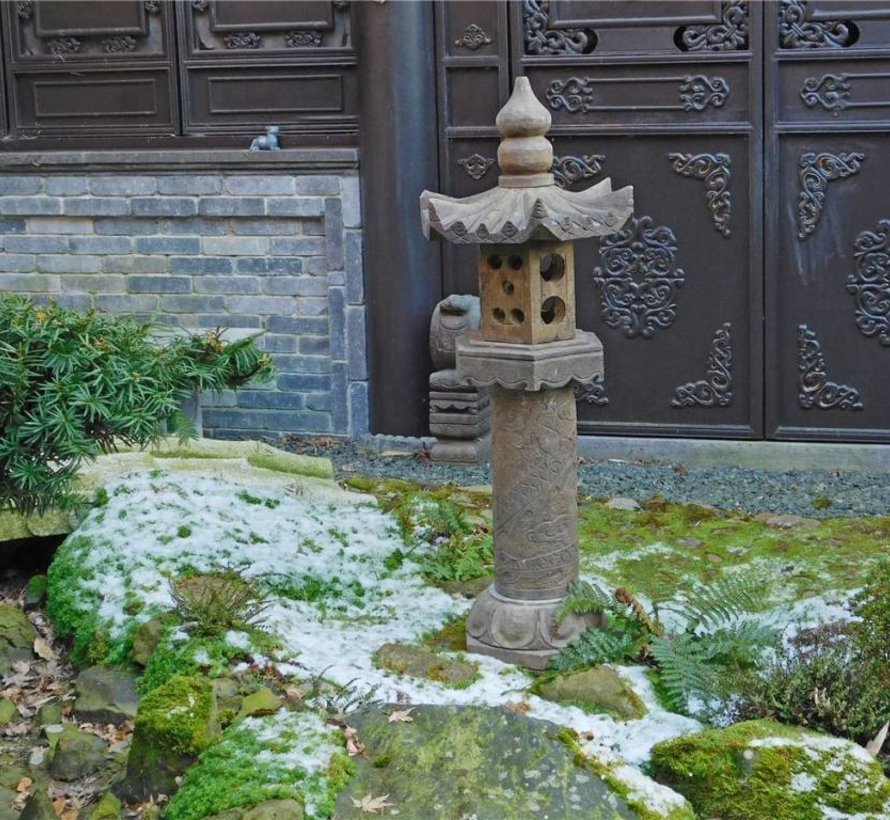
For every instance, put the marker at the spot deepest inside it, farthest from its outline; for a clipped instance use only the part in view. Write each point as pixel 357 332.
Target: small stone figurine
pixel 268 141
pixel 460 413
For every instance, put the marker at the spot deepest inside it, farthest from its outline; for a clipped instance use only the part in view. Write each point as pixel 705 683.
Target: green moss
pixel 176 657
pixel 571 739
pixel 451 637
pixel 243 770
pixel 699 544
pixel 765 769
pixel 179 716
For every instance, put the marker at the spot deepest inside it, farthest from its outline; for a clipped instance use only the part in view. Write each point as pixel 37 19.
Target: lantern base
pixel 522 632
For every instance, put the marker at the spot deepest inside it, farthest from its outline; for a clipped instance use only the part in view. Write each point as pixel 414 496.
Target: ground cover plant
pixel 73 383
pixel 301 610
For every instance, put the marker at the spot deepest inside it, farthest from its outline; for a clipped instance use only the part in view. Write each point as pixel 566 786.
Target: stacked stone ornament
pixel 460 412
pixel 530 353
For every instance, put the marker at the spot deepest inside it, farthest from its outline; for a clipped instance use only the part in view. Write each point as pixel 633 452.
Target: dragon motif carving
pixel 574 94
pixel 831 91
pixel 473 38
pixel 716 171
pixel 698 92
pixel 870 285
pixel 816 392
pixel 476 165
pixel 568 170
pixel 798 29
pixel 242 39
pixel 63 45
pixel 730 34
pixel 302 39
pixel 816 171
pixel 540 39
pixel 118 44
pixel 716 389
pixel 638 278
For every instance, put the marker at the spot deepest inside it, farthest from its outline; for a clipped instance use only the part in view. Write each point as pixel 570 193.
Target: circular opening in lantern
pixel 495 261
pixel 507 287
pixel 553 310
pixel 499 316
pixel 553 267
pixel 515 262
pixel 517 316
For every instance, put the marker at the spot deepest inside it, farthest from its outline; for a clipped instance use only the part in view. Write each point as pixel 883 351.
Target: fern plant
pixel 73 383
pixel 715 641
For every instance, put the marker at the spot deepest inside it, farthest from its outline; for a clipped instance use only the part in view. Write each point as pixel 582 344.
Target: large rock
pixel 17 636
pixel 108 808
pixel 146 639
pixel 77 754
pixel 175 723
pixel 38 807
pixel 404 659
pixel 600 689
pixel 105 695
pixel 764 769
pixel 470 761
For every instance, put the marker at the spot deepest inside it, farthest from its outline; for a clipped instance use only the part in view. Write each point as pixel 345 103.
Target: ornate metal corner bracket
pixel 541 40
pixel 716 389
pixel 716 171
pixel 798 29
pixel 815 391
pixel 870 285
pixel 638 278
pixel 730 34
pixel 592 393
pixel 816 171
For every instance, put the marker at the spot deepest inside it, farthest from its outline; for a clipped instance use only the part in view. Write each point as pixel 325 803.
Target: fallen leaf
pixel 401 716
pixel 877 742
pixel 24 784
pixel 71 814
pixel 517 706
pixel 353 745
pixel 59 806
pixel 372 805
pixel 43 650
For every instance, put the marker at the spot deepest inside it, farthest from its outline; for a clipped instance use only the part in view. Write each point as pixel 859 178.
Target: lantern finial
pixel 525 154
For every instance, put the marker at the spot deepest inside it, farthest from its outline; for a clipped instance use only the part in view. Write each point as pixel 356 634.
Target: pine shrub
pixel 73 383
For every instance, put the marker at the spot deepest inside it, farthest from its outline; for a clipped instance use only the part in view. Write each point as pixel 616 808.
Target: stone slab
pixel 530 367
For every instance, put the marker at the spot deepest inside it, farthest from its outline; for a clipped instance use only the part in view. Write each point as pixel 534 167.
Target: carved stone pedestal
pixel 535 505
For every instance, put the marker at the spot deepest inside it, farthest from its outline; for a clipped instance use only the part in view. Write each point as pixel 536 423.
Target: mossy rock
pixel 404 659
pixel 16 631
pixel 470 761
pixel 105 695
pixel 764 769
pixel 174 724
pixel 7 711
pixel 108 808
pixel 35 592
pixel 267 810
pixel 262 702
pixel 600 689
pixel 146 639
pixel 50 713
pixel 76 754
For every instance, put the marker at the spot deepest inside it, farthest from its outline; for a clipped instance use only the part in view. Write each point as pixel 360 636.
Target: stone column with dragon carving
pixel 530 353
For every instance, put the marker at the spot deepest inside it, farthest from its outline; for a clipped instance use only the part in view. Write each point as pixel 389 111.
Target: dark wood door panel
pixel 829 310
pixel 675 297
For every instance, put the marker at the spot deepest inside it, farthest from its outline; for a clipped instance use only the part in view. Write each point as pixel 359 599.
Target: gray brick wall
pixel 279 253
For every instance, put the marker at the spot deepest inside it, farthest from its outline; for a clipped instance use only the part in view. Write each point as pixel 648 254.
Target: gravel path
pixel 800 492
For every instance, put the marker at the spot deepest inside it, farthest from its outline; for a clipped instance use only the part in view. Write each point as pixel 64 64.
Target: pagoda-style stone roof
pixel 526 204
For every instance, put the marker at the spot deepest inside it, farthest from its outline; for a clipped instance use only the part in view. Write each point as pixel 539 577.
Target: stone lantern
pixel 530 353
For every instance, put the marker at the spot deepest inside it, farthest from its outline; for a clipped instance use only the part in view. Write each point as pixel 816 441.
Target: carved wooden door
pixel 750 294
pixel 828 221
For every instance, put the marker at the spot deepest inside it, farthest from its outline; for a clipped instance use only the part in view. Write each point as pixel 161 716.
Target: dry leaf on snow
pixel 517 706
pixel 372 805
pixel 401 716
pixel 59 806
pixel 24 785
